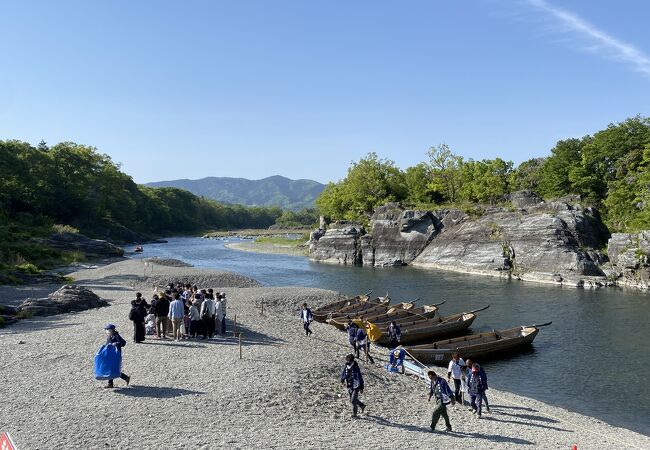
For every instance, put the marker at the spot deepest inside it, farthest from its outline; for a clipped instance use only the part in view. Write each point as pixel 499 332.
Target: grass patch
pixel 24 314
pixel 283 240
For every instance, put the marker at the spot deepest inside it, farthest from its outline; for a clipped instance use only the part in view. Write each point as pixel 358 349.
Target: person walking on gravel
pixel 364 343
pixel 468 371
pixel 352 378
pixel 439 389
pixel 113 338
pixel 352 336
pixel 307 318
pixel 455 371
pixel 476 388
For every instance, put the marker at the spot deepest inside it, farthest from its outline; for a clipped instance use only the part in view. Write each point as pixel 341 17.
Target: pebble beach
pixel 284 391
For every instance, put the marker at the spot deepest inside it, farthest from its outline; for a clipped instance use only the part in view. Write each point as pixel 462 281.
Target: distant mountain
pixel 271 191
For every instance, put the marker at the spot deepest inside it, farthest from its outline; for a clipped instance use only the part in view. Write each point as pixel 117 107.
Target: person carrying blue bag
pixel 108 360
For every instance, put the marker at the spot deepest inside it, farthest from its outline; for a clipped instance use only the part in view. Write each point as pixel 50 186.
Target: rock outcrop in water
pixel 628 257
pixel 553 242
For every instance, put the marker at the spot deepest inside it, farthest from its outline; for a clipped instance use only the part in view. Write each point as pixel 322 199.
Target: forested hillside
pixel 74 185
pixel 271 191
pixel 609 170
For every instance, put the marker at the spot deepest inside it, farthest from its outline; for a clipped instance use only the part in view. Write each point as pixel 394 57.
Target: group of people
pixel 460 371
pixel 358 339
pixel 183 309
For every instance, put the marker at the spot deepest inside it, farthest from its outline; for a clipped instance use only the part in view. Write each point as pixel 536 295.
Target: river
pixel 594 359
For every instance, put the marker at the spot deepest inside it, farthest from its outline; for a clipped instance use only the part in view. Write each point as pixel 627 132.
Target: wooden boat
pixel 421 329
pixel 383 315
pixel 138 249
pixel 321 314
pixel 404 314
pixel 476 345
pixel 377 304
pixel 340 319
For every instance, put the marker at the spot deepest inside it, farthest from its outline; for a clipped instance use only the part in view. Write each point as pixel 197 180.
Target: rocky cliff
pixel 628 259
pixel 553 242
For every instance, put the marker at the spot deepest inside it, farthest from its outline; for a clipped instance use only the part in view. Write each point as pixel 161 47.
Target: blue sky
pixel 301 88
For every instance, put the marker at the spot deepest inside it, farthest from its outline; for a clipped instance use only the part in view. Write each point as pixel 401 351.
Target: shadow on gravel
pixel 170 343
pixel 249 337
pixel 155 392
pixel 521 408
pixel 37 323
pixel 387 423
pixel 116 279
pixel 526 424
pixel 529 417
pixel 491 437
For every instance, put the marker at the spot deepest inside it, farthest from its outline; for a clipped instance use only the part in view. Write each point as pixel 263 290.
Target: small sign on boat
pixel 6 443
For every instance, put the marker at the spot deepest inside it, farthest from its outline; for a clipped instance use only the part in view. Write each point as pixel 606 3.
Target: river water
pixel 594 359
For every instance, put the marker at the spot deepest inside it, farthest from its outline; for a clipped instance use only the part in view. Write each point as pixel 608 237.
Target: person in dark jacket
pixel 113 338
pixel 351 377
pixel 161 309
pixel 352 336
pixel 395 334
pixel 364 343
pixel 481 372
pixel 137 316
pixel 476 388
pixel 440 390
pixel 307 318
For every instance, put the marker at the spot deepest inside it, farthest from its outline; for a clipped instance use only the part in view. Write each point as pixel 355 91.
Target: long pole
pixel 234 329
pixel 240 354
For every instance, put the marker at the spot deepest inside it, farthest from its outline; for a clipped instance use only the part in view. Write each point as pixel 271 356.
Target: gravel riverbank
pixel 283 393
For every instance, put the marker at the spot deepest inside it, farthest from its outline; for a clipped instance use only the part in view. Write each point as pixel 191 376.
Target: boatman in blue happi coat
pixel 440 390
pixel 364 343
pixel 113 338
pixel 352 329
pixel 351 377
pixel 307 318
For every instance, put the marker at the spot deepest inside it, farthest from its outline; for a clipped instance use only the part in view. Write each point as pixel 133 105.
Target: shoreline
pixel 284 393
pixel 277 249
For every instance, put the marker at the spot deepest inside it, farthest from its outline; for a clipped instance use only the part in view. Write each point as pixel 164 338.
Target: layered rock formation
pixel 555 242
pixel 69 298
pixel 92 248
pixel 628 258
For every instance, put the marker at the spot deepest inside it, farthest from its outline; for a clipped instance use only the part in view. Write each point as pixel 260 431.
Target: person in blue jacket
pixel 397 356
pixel 440 390
pixel 469 363
pixel 352 329
pixel 352 378
pixel 113 338
pixel 363 342
pixel 307 318
pixel 476 388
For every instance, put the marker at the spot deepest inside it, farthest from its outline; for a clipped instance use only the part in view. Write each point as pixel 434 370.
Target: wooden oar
pixel 540 325
pixel 477 310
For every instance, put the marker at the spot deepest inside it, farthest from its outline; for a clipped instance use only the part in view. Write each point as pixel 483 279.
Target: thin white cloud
pixel 600 42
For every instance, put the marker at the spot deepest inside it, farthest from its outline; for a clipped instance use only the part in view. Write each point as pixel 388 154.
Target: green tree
pixel 445 169
pixel 369 183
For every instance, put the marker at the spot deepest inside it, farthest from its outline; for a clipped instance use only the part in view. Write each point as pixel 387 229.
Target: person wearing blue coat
pixel 352 329
pixel 481 372
pixel 441 392
pixel 113 338
pixel 476 388
pixel 307 318
pixel 352 378
pixel 363 342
